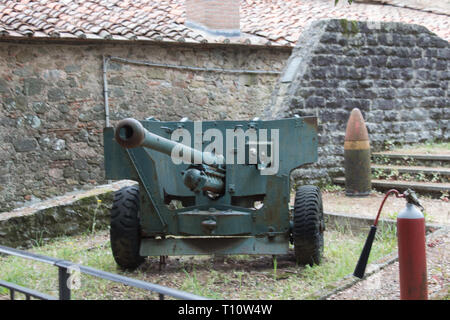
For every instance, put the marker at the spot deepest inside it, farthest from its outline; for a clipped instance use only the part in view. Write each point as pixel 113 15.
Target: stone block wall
pixel 78 212
pixel 52 111
pixel 396 74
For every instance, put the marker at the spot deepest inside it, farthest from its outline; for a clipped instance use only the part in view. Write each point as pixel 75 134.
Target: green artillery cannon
pixel 228 194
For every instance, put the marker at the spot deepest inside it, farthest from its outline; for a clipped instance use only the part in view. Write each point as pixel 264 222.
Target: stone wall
pixel 78 212
pixel 396 74
pixel 52 110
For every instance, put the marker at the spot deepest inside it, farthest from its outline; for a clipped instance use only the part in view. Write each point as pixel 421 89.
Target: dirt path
pixel 384 284
pixel 436 210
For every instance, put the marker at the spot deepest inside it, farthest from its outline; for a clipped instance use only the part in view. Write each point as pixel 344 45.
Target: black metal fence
pixel 64 271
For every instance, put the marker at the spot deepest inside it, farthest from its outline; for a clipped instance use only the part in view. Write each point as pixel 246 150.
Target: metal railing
pixel 64 271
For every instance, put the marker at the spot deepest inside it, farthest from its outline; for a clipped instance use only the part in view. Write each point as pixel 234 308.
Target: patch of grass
pixel 378 173
pixel 437 145
pixel 275 265
pixel 236 277
pixel 388 145
pixel 332 188
pixel 192 284
pixel 393 216
pixel 431 147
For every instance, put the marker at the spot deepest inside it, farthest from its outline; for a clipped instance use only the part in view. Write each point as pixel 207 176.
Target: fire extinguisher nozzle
pixel 360 268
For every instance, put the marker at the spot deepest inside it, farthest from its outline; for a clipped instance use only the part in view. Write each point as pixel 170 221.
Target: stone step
pixel 433 157
pixel 431 160
pixel 413 169
pixel 427 187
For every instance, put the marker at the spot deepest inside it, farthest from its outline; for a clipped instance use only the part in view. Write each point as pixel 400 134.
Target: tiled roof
pixel 281 21
pixel 441 6
pixel 263 22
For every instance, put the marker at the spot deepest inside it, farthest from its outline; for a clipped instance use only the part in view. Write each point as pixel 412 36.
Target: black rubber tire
pixel 308 226
pixel 125 231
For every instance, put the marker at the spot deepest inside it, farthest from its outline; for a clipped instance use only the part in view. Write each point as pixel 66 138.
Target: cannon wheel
pixel 125 232
pixel 308 227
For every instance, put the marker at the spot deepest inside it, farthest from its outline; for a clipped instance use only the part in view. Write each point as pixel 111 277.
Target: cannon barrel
pixel 130 133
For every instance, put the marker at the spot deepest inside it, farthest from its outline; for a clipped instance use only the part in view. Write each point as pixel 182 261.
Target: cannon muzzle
pixel 129 133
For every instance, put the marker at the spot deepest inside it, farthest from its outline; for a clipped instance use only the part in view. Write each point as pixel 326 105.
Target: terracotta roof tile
pixel 441 7
pixel 263 22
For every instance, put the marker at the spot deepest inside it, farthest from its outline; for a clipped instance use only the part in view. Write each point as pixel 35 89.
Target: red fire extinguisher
pixel 411 248
pixel 412 251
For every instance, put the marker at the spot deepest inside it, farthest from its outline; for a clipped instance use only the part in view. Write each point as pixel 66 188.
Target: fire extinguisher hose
pixel 397 194
pixel 362 262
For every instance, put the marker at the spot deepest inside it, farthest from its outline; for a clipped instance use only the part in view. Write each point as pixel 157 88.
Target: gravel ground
pixel 384 284
pixel 436 210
